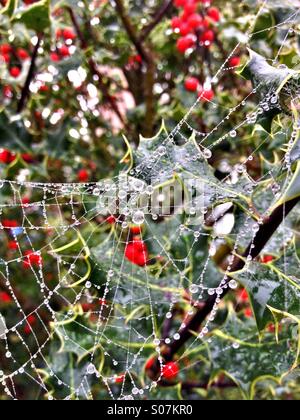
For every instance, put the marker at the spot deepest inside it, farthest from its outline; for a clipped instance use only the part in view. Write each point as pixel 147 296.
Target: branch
pixel 159 15
pixel 93 67
pixel 266 231
pixel 131 31
pixel 25 91
pixel 146 54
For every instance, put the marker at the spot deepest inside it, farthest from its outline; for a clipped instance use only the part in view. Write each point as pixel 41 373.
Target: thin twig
pixel 26 91
pixel 158 16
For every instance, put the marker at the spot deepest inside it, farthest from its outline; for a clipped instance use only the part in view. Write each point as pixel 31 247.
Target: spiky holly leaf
pixel 274 86
pixel 158 160
pixel 237 351
pixel 36 16
pixel 272 285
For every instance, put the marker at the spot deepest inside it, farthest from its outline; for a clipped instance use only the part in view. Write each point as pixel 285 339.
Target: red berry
pixel 22 54
pixel 175 23
pixel 206 95
pixel 59 33
pixel 29 1
pixel 7 92
pixel 5 49
pixel 136 230
pixel 191 84
pixel 87 307
pixel 44 88
pixel 214 14
pixel 119 379
pixel 184 43
pixel 68 34
pixel 32 259
pixel 5 58
pixel 195 21
pixel 27 157
pixel 179 3
pixel 190 7
pixel 6 156
pixel 111 220
pixel 5 297
pixel 31 319
pixel 234 61
pixel 207 37
pixel 54 57
pixel 13 245
pixel 184 29
pixel 102 302
pixel 136 252
pixel 248 313
pixel 9 224
pixel 83 175
pixel 64 51
pixel 243 296
pixel 170 370
pixel 15 72
pixel 150 363
pixel 266 259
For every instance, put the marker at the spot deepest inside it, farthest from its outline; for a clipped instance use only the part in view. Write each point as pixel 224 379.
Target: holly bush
pixel 108 106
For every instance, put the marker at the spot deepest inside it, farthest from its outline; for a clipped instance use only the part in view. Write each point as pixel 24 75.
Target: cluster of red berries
pixel 137 252
pixel 195 24
pixel 196 27
pixel 65 37
pixel 14 58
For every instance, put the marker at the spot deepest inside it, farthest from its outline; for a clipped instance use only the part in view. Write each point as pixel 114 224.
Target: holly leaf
pixel 272 285
pixel 271 84
pixel 237 352
pixel 159 160
pixel 13 134
pixel 36 16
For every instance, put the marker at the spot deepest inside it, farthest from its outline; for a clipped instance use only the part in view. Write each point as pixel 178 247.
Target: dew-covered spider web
pixel 98 310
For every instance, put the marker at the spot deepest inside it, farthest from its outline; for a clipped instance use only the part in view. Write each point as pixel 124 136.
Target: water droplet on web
pixel 91 369
pixel 233 134
pixel 161 150
pixel 138 185
pixel 207 153
pixel 194 288
pixel 138 217
pixel 149 190
pixel 236 346
pixel 233 284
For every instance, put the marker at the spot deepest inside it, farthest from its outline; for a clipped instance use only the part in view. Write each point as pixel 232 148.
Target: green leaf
pixel 158 160
pixel 13 134
pixel 236 351
pixel 271 285
pixel 36 16
pixel 271 84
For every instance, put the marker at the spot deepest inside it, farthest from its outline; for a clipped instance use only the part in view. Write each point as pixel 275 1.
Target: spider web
pixel 112 308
